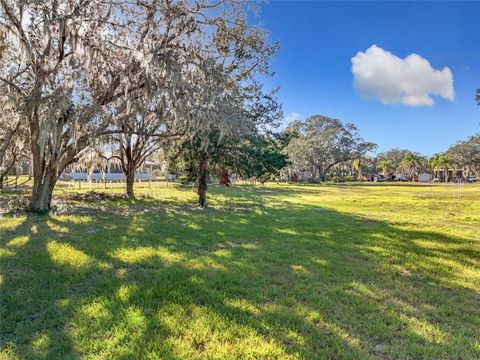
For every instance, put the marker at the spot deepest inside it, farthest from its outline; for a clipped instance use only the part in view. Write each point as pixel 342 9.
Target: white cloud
pixel 379 74
pixel 292 117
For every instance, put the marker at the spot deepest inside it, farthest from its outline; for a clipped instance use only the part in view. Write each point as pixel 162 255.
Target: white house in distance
pixel 111 172
pixel 425 177
pixel 401 177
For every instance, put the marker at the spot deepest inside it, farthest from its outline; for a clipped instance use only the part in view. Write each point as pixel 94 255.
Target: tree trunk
pixel 225 178
pixel 30 169
pixel 45 175
pixel 202 181
pixel 130 176
pixel 1 182
pixel 41 199
pixel 322 174
pixel 61 151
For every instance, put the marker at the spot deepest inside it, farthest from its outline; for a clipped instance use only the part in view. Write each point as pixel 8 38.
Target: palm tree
pixel 441 162
pixel 412 162
pixel 386 166
pixel 432 162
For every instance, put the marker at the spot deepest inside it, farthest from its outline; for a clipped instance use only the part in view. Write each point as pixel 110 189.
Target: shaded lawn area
pixel 275 272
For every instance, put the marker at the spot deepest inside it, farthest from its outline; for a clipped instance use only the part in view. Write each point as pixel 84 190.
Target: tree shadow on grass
pixel 267 282
pixel 399 184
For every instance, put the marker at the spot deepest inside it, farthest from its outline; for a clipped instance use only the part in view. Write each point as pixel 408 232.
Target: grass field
pixel 277 272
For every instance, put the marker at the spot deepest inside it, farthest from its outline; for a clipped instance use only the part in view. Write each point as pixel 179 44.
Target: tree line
pixel 343 157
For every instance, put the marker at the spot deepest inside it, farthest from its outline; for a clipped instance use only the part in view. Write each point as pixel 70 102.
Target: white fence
pixel 106 176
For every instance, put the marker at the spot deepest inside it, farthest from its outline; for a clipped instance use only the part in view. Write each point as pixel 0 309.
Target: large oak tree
pixel 322 142
pixel 81 69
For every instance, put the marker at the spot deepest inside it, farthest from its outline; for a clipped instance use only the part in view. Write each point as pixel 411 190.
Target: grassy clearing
pixel 276 272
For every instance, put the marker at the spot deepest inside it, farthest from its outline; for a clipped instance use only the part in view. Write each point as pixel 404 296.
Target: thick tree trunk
pixel 45 174
pixel 62 151
pixel 130 175
pixel 322 174
pixel 41 199
pixel 202 181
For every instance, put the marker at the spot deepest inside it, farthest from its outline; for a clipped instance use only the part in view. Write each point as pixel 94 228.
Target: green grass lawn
pixel 277 272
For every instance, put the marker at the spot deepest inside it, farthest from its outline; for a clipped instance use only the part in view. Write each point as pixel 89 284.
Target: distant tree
pixel 433 162
pixel 395 156
pixel 386 166
pixel 323 142
pixel 412 163
pixel 477 97
pixel 370 165
pixel 466 155
pixel 439 162
pixel 357 167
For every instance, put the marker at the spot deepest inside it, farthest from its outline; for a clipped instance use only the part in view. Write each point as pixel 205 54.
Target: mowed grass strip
pixel 354 271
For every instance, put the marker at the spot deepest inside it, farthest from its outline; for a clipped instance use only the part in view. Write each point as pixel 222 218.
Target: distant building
pixel 305 175
pixel 425 177
pixel 447 175
pixel 111 171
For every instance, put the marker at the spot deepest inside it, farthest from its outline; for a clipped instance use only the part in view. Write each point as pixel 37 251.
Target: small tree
pixel 140 136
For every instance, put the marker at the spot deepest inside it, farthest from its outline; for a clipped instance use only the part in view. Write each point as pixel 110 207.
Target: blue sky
pixel 314 67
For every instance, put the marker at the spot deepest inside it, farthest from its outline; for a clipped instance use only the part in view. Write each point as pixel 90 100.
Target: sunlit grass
pixel 351 271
